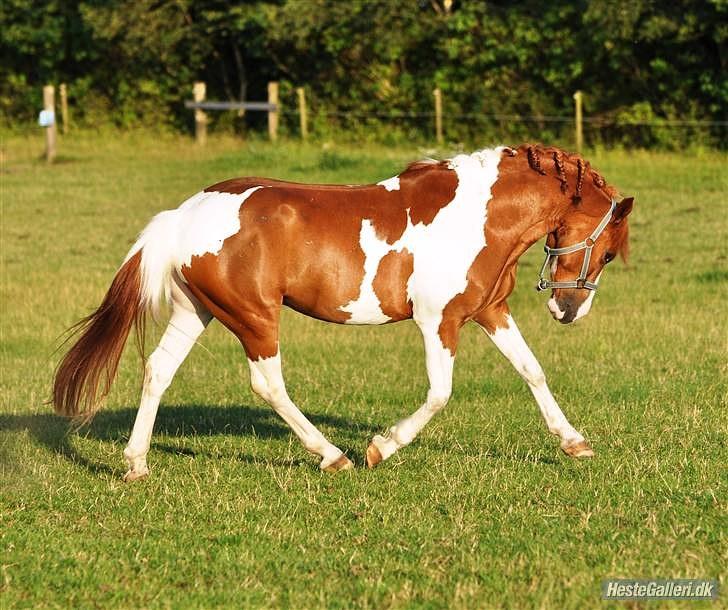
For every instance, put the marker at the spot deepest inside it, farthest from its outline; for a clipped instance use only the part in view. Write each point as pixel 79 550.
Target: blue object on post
pixel 46 118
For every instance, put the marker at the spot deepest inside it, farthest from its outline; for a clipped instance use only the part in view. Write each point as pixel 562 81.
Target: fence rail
pixel 436 117
pixel 233 106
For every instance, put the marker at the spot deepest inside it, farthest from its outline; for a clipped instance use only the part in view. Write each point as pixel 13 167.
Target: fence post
pixel 302 112
pixel 199 91
pixel 273 114
pixel 438 115
pixel 49 104
pixel 63 92
pixel 578 122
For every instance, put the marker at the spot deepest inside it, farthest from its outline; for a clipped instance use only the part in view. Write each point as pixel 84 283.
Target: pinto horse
pixel 439 244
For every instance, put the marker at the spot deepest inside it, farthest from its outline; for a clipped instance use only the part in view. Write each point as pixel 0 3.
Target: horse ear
pixel 623 209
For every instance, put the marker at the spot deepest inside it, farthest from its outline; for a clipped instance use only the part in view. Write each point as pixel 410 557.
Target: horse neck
pixel 526 207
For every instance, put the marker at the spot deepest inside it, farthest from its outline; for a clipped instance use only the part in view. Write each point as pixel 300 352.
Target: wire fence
pixel 636 125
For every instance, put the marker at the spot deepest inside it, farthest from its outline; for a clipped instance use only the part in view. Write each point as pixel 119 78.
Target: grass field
pixel 481 511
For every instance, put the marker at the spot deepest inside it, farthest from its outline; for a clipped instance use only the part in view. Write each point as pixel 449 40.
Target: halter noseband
pixel 586 244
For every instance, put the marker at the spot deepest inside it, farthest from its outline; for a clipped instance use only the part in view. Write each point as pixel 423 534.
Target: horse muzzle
pixel 562 311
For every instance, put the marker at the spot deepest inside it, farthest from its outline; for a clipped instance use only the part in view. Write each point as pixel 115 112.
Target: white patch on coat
pixel 366 309
pixel 391 184
pixel 586 305
pixel 443 251
pixel 197 227
pixel 209 219
pixel 555 309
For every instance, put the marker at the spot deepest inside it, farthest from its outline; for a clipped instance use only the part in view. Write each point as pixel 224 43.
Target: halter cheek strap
pixel 586 245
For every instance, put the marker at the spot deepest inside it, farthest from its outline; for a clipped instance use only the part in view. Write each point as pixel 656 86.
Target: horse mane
pixel 423 164
pixel 536 154
pixel 560 159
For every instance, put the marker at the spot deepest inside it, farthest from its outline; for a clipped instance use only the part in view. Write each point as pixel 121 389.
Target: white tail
pixel 158 244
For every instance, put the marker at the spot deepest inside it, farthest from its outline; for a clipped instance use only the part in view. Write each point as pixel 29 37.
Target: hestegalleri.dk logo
pixel 669 588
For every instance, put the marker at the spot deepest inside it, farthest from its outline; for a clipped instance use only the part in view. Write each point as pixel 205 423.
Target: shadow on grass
pixel 56 433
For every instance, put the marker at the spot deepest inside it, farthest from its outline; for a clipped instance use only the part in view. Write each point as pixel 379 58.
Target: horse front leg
pixel 439 360
pixel 502 330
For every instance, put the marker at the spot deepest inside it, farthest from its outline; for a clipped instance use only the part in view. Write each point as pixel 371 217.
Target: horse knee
pixel 277 394
pixel 533 374
pixel 260 386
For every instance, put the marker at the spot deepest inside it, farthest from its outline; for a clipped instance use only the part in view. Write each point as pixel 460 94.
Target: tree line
pixel 642 65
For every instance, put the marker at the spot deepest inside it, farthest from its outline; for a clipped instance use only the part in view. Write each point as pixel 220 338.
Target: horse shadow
pixel 181 421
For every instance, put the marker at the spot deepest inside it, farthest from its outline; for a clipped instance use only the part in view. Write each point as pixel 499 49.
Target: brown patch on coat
pixel 390 284
pixel 427 187
pixel 494 317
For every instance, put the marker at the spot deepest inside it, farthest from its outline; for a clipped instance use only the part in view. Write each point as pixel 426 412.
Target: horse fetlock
pixel 380 449
pixel 137 463
pixel 337 465
pixel 437 400
pixel 577 448
pixel 136 475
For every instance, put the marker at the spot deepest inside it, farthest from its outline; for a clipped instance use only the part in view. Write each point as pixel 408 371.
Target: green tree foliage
pixel 133 61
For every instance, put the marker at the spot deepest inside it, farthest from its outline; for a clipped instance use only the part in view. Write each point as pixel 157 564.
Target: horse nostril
pixel 569 312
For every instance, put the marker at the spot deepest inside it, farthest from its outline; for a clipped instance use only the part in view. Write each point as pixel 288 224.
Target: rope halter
pixel 586 245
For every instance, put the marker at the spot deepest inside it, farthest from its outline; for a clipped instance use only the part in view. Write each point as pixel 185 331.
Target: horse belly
pixel 334 289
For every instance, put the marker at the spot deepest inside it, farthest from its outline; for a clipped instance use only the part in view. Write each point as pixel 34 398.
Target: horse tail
pixel 85 374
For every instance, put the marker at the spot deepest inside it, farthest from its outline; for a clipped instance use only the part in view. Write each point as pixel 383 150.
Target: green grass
pixel 482 510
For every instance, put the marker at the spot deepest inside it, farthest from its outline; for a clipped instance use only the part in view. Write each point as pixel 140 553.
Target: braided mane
pixel 560 159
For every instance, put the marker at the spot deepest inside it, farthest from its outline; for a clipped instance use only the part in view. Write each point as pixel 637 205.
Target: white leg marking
pixel 512 345
pixel 266 379
pixel 184 327
pixel 439 363
pixel 443 251
pixel 586 305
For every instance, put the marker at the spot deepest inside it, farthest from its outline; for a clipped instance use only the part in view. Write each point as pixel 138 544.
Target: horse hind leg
pixel 189 318
pixel 266 380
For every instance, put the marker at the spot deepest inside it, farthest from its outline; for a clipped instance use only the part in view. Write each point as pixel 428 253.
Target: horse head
pixel 577 252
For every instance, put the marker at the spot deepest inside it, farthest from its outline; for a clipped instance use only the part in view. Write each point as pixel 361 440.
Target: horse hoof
pixel 374 456
pixel 342 463
pixel 136 475
pixel 578 449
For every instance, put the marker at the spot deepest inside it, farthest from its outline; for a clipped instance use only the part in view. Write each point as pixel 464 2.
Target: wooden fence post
pixel 63 92
pixel 273 114
pixel 438 115
pixel 199 91
pixel 302 112
pixel 49 105
pixel 578 122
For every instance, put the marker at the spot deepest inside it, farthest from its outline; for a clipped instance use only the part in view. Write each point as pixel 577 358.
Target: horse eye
pixel 608 256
